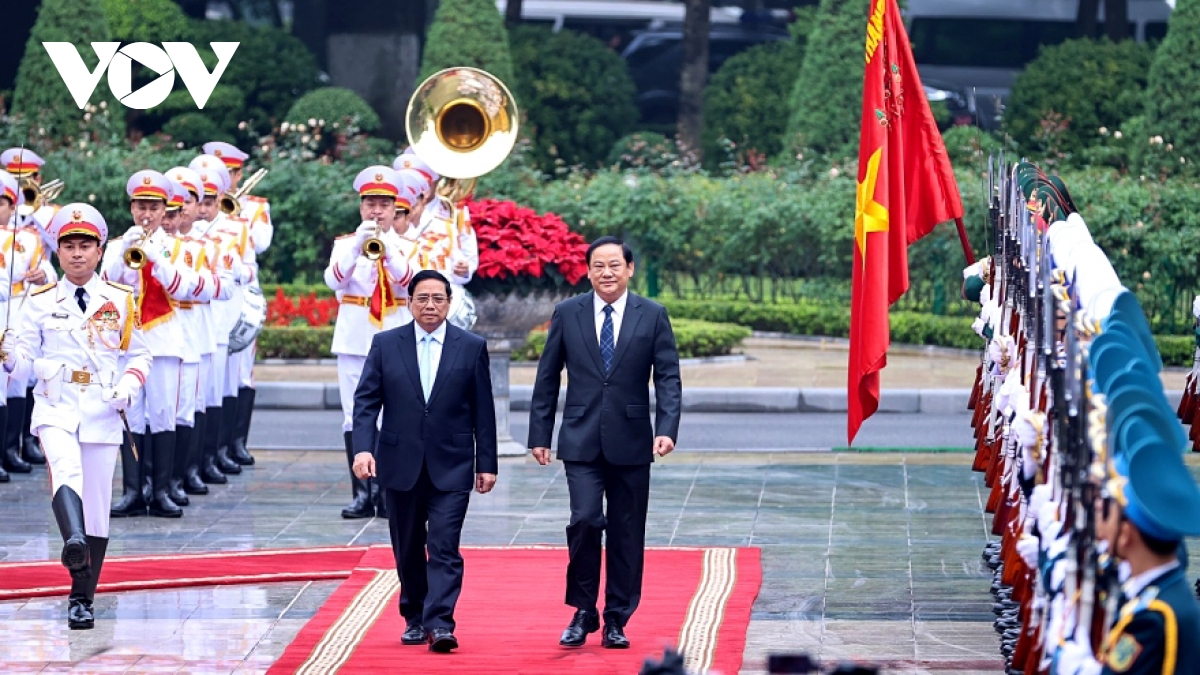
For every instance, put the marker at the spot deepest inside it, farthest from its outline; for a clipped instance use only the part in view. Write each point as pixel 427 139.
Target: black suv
pixel 655 59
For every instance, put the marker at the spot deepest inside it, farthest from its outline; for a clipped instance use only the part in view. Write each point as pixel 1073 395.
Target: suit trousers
pixel 86 468
pixel 429 587
pixel 628 491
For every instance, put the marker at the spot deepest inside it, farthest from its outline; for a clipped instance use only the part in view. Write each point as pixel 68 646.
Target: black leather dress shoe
pixel 414 635
pixel 441 640
pixel 584 622
pixel 613 637
pixel 79 614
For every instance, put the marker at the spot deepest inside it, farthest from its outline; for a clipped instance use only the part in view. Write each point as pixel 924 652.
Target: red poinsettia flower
pixel 516 242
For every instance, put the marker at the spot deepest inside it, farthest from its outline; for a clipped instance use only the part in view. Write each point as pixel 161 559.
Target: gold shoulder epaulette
pixel 123 287
pixel 42 289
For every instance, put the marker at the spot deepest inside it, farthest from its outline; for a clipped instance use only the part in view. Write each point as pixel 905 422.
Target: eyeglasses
pixel 426 299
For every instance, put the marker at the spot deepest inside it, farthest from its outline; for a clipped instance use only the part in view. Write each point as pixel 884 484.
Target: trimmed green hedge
pixel 693 338
pixel 295 342
pixel 1176 350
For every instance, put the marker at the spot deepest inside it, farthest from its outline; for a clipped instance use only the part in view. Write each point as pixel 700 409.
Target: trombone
pixel 36 196
pixel 230 204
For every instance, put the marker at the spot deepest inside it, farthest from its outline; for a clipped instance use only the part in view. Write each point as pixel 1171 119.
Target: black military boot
pixel 161 504
pixel 83 591
pixel 228 421
pixel 4 478
pixel 12 437
pixel 68 512
pixel 209 471
pixel 193 483
pixel 132 502
pixel 238 451
pixel 29 443
pixel 360 506
pixel 183 438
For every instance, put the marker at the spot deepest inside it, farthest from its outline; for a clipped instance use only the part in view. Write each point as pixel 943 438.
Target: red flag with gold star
pixel 905 188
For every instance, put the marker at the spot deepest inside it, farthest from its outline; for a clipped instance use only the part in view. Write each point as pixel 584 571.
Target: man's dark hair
pixel 1159 547
pixel 605 241
pixel 428 274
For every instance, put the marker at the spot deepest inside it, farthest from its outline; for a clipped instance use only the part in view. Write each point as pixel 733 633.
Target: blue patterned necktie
pixel 426 376
pixel 606 338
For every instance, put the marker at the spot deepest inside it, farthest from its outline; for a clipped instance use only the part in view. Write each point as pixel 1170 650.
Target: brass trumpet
pixel 36 196
pixel 135 257
pixel 230 204
pixel 374 248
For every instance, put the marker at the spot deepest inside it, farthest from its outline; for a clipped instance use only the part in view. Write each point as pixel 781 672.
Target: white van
pixel 979 46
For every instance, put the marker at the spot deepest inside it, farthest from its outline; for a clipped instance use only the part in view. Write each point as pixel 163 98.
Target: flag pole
pixel 966 243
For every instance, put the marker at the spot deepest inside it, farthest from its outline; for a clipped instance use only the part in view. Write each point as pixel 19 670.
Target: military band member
pixel 204 260
pixel 231 236
pixel 257 212
pixel 10 198
pixel 82 341
pixel 444 238
pixel 33 247
pixel 159 283
pixel 371 296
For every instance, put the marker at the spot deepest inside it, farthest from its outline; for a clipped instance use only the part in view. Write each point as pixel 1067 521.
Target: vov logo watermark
pixel 171 58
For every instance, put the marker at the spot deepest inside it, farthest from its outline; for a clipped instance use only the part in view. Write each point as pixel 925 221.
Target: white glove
pixel 123 393
pixel 365 231
pixel 1027 548
pixel 1047 515
pixel 8 343
pixel 1075 657
pixel 132 234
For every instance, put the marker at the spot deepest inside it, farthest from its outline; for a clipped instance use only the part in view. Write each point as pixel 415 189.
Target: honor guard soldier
pixel 200 253
pixel 444 238
pixel 33 249
pixel 257 212
pixel 368 271
pixel 82 341
pixel 231 234
pixel 186 253
pixel 10 198
pixel 142 259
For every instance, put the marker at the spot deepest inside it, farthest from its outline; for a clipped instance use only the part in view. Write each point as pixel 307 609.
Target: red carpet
pixel 131 573
pixel 511 613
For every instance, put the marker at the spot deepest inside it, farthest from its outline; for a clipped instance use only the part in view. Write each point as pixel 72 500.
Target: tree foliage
pixel 41 97
pixel 468 33
pixel 826 101
pixel 575 94
pixel 741 102
pixel 1173 94
pixel 334 104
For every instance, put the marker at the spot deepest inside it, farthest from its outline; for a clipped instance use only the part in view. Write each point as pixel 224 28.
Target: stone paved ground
pixel 865 555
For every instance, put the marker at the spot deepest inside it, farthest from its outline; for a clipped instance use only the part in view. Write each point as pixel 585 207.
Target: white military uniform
pixel 257 212
pixel 190 253
pixel 443 239
pixel 231 238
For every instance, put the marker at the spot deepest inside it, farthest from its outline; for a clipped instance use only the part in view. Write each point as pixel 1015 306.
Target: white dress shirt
pixel 435 348
pixel 618 313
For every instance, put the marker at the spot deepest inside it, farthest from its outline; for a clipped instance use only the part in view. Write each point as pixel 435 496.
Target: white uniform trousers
pixel 203 382
pixel 189 379
pixel 157 402
pixel 86 468
pixel 246 368
pixel 233 374
pixel 216 386
pixel 349 372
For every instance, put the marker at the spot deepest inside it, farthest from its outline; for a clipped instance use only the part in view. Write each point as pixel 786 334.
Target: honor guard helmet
pixel 214 174
pixel 229 154
pixel 188 179
pixel 377 181
pixel 409 160
pixel 21 162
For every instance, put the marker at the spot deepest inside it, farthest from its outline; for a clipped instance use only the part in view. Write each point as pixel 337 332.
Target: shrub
pixel 826 100
pixel 742 101
pixel 334 104
pixel 969 146
pixel 271 67
pixel 1173 95
pixel 41 97
pixel 226 106
pixel 651 151
pixel 468 33
pixel 194 129
pixel 1176 350
pixel 575 95
pixel 295 342
pixel 153 21
pixel 1086 84
pixel 693 339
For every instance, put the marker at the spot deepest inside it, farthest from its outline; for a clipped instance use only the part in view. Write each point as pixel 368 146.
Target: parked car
pixel 655 59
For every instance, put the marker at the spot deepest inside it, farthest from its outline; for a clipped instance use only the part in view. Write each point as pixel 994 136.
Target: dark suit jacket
pixel 607 415
pixel 454 434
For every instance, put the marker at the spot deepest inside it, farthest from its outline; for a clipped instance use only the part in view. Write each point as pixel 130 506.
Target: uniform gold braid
pixel 131 319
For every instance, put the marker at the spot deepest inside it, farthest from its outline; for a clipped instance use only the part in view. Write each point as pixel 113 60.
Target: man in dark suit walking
pixel 611 342
pixel 437 441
